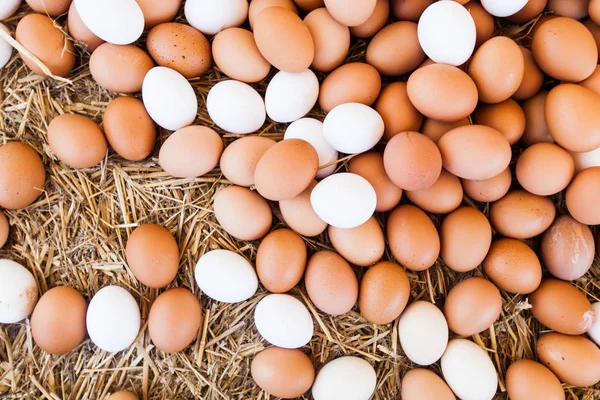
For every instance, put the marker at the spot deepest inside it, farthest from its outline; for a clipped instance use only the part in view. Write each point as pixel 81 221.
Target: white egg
pixel 594 331
pixel 469 371
pixel 283 321
pixel 423 332
pixel 113 319
pixel 6 49
pixel 447 33
pixel 212 16
pixel 291 95
pixel 353 128
pixel 8 8
pixel 344 200
pixel 226 276
pixel 311 130
pixel 114 21
pixel 503 8
pixel 18 292
pixel 236 107
pixel 345 378
pixel 586 160
pixel 169 98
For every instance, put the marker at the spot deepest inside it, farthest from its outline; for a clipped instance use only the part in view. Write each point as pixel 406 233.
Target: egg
pixel 526 379
pixel 484 22
pixel 370 165
pixel 152 255
pixel 331 39
pixel 114 21
pixel 586 160
pixel 594 331
pixel 18 292
pixel 513 266
pixel 384 293
pixel 290 96
pixel 311 130
pixel 593 81
pixel 536 129
pixel 375 23
pixel 8 8
pixel 351 83
pixel 76 140
pixel 503 8
pixel 225 276
pixel 123 395
pixel 239 159
pixel 582 196
pixel 191 152
pixel 285 373
pixel 242 213
pixel 488 190
pixel 576 9
pixel 300 215
pixel 235 107
pixel 362 246
pixel 412 238
pixel 410 10
pixel 210 17
pixel 466 236
pixel 350 16
pixel 544 169
pixel 423 384
pixel 395 50
pixel 533 213
pixel 353 128
pixel 6 50
pixel 533 77
pixel 423 333
pixel 283 321
pixel 507 117
pixel 4 229
pixel 434 129
pixel 348 377
pixel 444 196
pixel 158 12
pixel 174 320
pixel 396 110
pixel 129 129
pixel 281 260
pixel 235 53
pixel 594 11
pixel 113 319
pixel 256 6
pixel 532 9
pixel 120 68
pixel 309 5
pixel 80 32
pixel 22 175
pixel 52 8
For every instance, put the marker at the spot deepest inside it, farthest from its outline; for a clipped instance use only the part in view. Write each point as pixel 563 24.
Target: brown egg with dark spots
pixel 522 215
pixel 239 159
pixel 375 23
pixel 370 165
pixel 526 380
pixel 424 384
pixel 488 190
pixel 79 31
pixel 157 12
pixel 466 236
pixel 119 68
pixel 281 260
pixel 583 196
pixel 331 39
pixel 384 293
pixel 434 129
pixel 444 196
pixel 536 129
pixel 544 169
pixel 484 22
pixel 398 113
pixel 513 266
pixel 409 10
pixel 299 214
pixel 395 50
pixel 242 213
pixel 506 117
pixel 351 83
pixel 533 77
pixel 362 246
pixel 235 53
pixel 22 175
pixel 76 140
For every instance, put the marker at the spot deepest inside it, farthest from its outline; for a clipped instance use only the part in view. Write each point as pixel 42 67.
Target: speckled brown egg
pixel 52 8
pixel 398 113
pixel 4 229
pixel 526 380
pixel 242 213
pixel 506 117
pixel 363 245
pixel 384 293
pixel 488 190
pixel 22 175
pixel 76 140
pixel 235 53
pixel 544 169
pixel 159 11
pixel 331 284
pixel 351 83
pixel 583 195
pixel 576 9
pixel 466 236
pixel 356 15
pixel 152 255
pixel 513 266
pixel 533 77
pixel 444 196
pixel 423 384
pixel 536 129
pixel 532 9
pixel 79 31
pixel 239 159
pixel 331 39
pixel 256 6
pixel 370 166
pixel 522 215
pixel 395 50
pixel 120 68
pixel 281 260
pixel 299 214
pixel 375 23
pixel 434 129
pixel 484 22
pixel 409 10
pixel 123 395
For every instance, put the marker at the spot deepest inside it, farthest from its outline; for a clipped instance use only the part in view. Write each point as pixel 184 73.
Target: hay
pixel 75 235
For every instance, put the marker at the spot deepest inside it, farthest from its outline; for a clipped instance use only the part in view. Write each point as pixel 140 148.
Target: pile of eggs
pixel 456 106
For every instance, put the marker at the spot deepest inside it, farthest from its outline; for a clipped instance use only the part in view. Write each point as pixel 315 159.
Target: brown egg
pixel 466 236
pixel 286 169
pixel 475 152
pixel 331 283
pixel 356 15
pixel 575 360
pixel 526 380
pixel 444 196
pixel 331 39
pixel 190 152
pixel 527 40
pixel 544 169
pixel 370 166
pixel 52 8
pixel 239 159
pixel 536 130
pixel 236 55
pixel 594 30
pixel 351 83
pixel 506 117
pixel 434 130
pixel 174 320
pixel 159 11
pixel 398 113
pixel 484 22
pixel 376 21
pixel 533 77
pixel 299 214
pixel 488 190
pixel 362 246
pixel 79 31
pixel 281 260
pixel 576 9
pixel 242 213
pixel 152 255
pixel 4 229
pixel 593 81
pixel 583 195
pixel 256 6
pixel 513 266
pixel 532 9
pixel 412 238
pixel 554 52
pixel 283 39
pixel 594 10
pixel 423 384
pixel 442 92
pixel 120 68
pixel 285 373
pixel 562 307
pixel 38 34
pixel 472 306
pixel 180 47
pixel 76 140
pixel 58 320
pixel 122 395
pixel 384 293
pixel 309 5
pixel 395 50
pixel 522 215
pixel 22 175
pixel 409 10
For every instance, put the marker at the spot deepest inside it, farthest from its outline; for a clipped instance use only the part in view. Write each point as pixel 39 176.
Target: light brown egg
pixel 281 260
pixel 331 39
pixel 79 31
pixel 544 169
pixel 594 10
pixel 375 23
pixel 466 236
pixel 533 77
pixel 384 293
pixel 532 9
pixel 76 140
pixel 395 50
pixel 513 266
pixel 536 130
pixel 370 166
pixel 285 373
pixel 594 30
pixel 409 10
pixel 576 9
pixel 123 395
pixel 299 214
pixel 412 238
pixel 434 129
pixel 583 195
pixel 444 196
pixel 484 22
pixel 256 6
pixel 356 15
pixel 472 306
pixel 526 380
pixel 488 190
pixel 235 53
pixel 522 215
pixel 398 113
pixel 506 117
pixel 239 159
pixel 159 11
pixel 37 33
pixel 331 284
pixel 4 229
pixel 22 175
pixel 52 8
pixel 593 81
pixel 362 246
pixel 242 213
pixel 309 5
pixel 351 83
pixel 527 40
pixel 423 384
pixel 120 68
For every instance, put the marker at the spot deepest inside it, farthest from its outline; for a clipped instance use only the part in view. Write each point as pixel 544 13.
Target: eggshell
pixel 120 68
pixel 503 8
pixel 6 50
pixel 586 160
pixel 123 395
pixel 533 77
pixel 362 246
pixel 434 129
pixel 76 140
pixel 513 266
pixel 395 50
pixel 235 107
pixel 344 200
pixel 22 175
pixel 506 117
pixel 113 319
pixel 225 276
pixel 190 152
pixel 375 23
pixel 281 260
pixel 242 213
pixel 536 129
pixel 4 229
pixel 114 21
pixel 210 17
pixel 239 159
pixel 235 53
pixel 256 6
pixel 311 130
pixel 299 214
pixel 283 321
pixel 79 31
pixel 582 196
pixel 444 196
pixel 349 378
pixel 398 113
pixel 532 9
pixel 469 371
pixel 174 320
pixel 594 10
pixel 576 9
pixel 410 10
pixel 8 8
pixel 526 379
pixel 544 169
pixel 18 292
pixel 285 373
pixel 423 384
pixel 129 129
pixel 52 8
pixel 291 96
pixel 423 333
pixel 412 238
pixel 353 128
pixel 331 39
pixel 488 190
pixel 152 255
pixel 351 83
pixel 159 11
pixel 484 22
pixel 356 15
pixel 533 213
pixel 466 236
pixel 309 5
pixel 575 360
pixel 594 331
pixel 370 166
